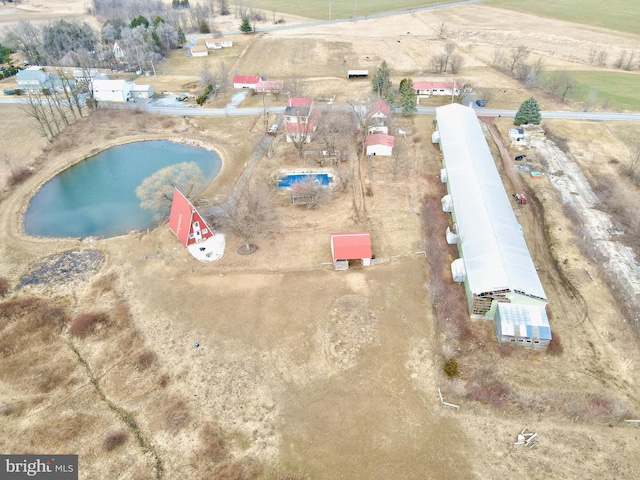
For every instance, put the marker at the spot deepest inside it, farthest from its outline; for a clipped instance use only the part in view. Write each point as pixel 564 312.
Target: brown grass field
pixel 304 372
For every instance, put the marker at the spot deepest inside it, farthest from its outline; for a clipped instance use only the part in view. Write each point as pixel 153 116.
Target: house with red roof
pixel 380 144
pixel 192 230
pixel 246 81
pixel 428 89
pixel 351 246
pixel 300 119
pixel 378 117
pixel 186 222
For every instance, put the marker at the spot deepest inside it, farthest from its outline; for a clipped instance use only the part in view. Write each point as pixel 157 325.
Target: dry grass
pixel 175 413
pixel 5 286
pixel 213 445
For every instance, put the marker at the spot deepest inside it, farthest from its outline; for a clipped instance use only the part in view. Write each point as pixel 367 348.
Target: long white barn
pixel 494 265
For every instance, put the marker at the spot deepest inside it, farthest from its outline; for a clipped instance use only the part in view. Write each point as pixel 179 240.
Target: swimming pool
pixel 289 179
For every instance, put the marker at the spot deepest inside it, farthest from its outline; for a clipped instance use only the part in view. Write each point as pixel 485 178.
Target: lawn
pixel 620 88
pixel 339 8
pixel 621 15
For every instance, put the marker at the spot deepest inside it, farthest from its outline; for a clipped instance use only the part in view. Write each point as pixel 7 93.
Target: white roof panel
pixel 493 247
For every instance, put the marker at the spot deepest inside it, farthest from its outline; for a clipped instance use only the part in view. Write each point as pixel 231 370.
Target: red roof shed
pixel 351 246
pixel 186 222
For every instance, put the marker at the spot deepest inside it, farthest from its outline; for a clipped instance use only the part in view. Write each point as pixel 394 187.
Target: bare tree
pixel 601 58
pixel 398 163
pixel 449 48
pixel 310 193
pixel 529 73
pixel 439 63
pixel 299 132
pixel 518 55
pixel 441 30
pixel 295 87
pixel 621 60
pixel 455 63
pixel 343 176
pixel 156 191
pixel 34 108
pixel 499 58
pixel 334 128
pixel 248 212
pixel 560 83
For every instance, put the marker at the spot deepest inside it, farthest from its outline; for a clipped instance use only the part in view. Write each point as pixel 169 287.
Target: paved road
pixel 180 109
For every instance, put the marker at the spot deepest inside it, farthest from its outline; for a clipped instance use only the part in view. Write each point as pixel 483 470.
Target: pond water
pixel 97 197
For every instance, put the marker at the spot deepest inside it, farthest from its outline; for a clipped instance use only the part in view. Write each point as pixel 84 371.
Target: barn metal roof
pixel 495 253
pixel 350 246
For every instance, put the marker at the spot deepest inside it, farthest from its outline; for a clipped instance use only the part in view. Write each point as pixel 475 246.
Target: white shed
pixel 380 144
pixel 112 90
pixel 142 91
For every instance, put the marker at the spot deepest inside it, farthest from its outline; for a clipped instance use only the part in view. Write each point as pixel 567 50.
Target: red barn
pixel 350 246
pixel 186 222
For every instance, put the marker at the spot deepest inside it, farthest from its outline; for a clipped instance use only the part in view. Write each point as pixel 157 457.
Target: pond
pixel 96 197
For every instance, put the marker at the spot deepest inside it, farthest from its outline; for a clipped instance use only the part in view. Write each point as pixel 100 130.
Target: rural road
pixel 180 109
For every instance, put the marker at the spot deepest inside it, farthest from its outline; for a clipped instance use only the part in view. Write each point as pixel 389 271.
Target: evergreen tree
pixel 245 27
pixel 182 38
pixel 381 82
pixel 139 20
pixel 203 26
pixel 408 96
pixel 529 113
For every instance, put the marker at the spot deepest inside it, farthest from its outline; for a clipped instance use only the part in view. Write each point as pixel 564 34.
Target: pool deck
pixel 209 250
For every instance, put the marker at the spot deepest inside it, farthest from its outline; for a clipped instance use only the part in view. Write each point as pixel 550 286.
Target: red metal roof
pixel 247 79
pixel 300 102
pixel 380 139
pixel 380 106
pixel 182 219
pixel 350 246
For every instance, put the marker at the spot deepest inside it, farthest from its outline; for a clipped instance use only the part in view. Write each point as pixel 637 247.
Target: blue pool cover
pixel 321 178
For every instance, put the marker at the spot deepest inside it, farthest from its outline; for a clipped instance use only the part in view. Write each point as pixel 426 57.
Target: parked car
pixel 480 102
pixel 520 157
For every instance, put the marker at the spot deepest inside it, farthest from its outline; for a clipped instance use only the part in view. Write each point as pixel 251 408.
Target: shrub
pixel 19 176
pixel 50 315
pixel 18 307
pixel 451 368
pixel 176 413
pixel 4 286
pixel 114 439
pixel 555 345
pixel 214 446
pixel 86 323
pixel 145 359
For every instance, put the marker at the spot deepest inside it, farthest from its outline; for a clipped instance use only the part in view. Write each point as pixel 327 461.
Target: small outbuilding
pixel 354 246
pixel 199 51
pixel 142 91
pixel 380 144
pixel 357 74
